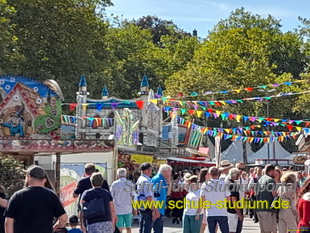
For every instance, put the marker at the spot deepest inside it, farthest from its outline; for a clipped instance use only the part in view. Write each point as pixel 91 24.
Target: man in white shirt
pixel 123 192
pixel 146 193
pixel 225 165
pixel 214 192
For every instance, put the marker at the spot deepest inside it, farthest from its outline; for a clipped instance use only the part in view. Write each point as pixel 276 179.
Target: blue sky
pixel 204 14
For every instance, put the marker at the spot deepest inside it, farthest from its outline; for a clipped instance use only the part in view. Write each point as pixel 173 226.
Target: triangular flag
pixel 199 113
pixel 99 106
pixel 140 104
pixel 154 101
pixel 72 106
pixel 84 106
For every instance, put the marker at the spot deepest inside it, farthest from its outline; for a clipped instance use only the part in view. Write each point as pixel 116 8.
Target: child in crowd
pixel 73 220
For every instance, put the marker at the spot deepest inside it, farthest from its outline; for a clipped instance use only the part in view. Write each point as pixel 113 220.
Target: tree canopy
pixel 64 39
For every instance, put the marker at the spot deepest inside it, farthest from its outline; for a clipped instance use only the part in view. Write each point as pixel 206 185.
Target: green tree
pixel 243 51
pixel 11 174
pixel 9 52
pixel 61 40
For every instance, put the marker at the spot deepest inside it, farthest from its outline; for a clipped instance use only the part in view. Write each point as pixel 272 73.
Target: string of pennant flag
pixel 234 133
pixel 71 120
pixel 247 131
pixel 99 106
pixel 225 115
pixel 200 103
pixel 239 90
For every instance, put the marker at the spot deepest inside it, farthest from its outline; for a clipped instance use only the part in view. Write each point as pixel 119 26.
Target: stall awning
pixel 202 151
pixel 182 160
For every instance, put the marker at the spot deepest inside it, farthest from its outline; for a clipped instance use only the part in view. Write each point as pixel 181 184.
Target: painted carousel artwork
pixel 30 118
pixel 28 109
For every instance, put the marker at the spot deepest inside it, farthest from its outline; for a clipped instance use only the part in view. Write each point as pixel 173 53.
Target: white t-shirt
pixel 123 192
pixel 215 191
pixel 192 207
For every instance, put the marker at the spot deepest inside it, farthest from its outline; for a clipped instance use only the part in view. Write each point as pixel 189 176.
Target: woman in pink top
pixel 304 208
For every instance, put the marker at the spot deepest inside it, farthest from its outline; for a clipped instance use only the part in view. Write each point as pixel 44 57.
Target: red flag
pixel 140 104
pixel 248 88
pixel 72 107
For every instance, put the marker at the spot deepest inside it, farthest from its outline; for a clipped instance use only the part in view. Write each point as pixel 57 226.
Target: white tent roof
pixel 234 153
pixel 280 152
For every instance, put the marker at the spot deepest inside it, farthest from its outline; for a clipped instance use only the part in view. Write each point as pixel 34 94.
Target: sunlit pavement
pixel 248 226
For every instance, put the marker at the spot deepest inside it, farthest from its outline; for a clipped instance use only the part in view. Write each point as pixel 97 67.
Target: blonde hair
pixel 288 177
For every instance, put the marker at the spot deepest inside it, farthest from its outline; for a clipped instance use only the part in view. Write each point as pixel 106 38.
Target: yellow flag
pixel 199 113
pixel 238 118
pixel 218 113
pixel 223 102
pixel 238 91
pixel 154 101
pixel 84 106
pixel 276 120
pixel 298 129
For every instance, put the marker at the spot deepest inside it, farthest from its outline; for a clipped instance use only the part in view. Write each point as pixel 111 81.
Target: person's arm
pixel 199 209
pixel 61 222
pixel 83 227
pixel 233 199
pixel 79 188
pixel 113 213
pixel 3 203
pixel 9 225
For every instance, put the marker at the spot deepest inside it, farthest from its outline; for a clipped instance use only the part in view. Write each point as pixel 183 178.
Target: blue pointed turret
pixel 83 82
pixel 159 91
pixel 145 81
pixel 105 91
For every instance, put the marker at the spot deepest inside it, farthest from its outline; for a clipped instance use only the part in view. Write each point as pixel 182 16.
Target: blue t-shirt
pixel 160 187
pixel 75 231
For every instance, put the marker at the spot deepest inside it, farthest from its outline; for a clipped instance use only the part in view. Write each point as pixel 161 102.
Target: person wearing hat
pixel 225 165
pixel 85 184
pixel 145 193
pixel 33 208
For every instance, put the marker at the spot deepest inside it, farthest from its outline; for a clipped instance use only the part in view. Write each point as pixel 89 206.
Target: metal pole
pixel 268 145
pixel 57 186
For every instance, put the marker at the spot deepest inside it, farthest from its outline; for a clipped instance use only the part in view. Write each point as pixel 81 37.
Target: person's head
pixel 96 179
pixel 240 166
pixel 234 174
pixel 136 175
pixel 165 170
pixel 277 174
pixel 270 170
pixel 305 174
pixel 196 171
pixel 259 171
pixel 284 169
pixel 176 176
pixel 291 168
pixel 186 176
pixel 179 171
pixel 121 173
pixel 251 170
pixel 89 169
pixel 225 165
pixel 73 220
pixel 35 176
pixel 203 175
pixel 214 172
pixel 299 175
pixel 244 175
pixel 192 181
pixel 288 178
pixel 305 188
pixel 146 168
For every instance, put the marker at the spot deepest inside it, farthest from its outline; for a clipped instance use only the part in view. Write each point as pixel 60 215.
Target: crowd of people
pixel 109 209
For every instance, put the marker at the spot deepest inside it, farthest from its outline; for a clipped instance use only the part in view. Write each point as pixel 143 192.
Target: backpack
pixel 93 208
